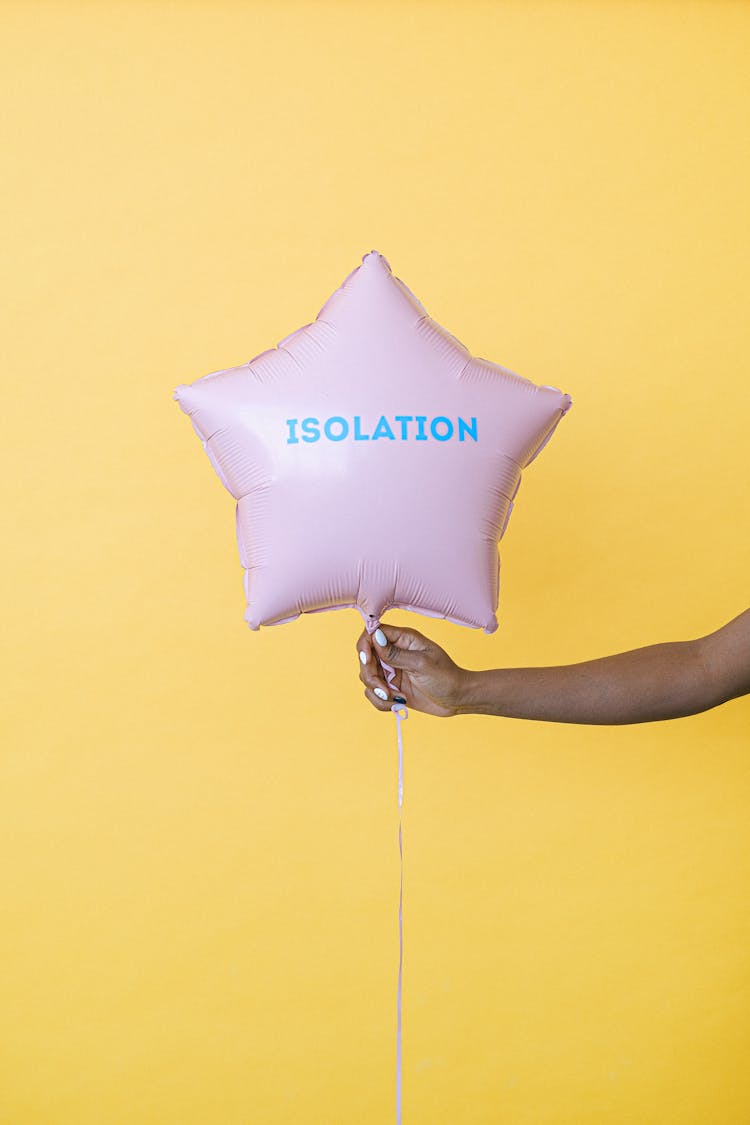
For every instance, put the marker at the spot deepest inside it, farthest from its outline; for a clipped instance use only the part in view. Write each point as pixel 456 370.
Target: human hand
pixel 425 674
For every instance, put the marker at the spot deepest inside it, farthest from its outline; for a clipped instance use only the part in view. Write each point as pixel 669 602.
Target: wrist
pixel 472 694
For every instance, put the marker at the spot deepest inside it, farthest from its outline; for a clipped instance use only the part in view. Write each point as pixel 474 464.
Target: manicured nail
pixel 399 699
pixel 380 693
pixel 380 637
pixel 363 656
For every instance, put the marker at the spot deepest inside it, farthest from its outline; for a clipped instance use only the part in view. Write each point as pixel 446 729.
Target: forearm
pixel 663 681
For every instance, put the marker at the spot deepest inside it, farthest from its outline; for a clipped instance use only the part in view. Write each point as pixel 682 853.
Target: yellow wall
pixel 199 875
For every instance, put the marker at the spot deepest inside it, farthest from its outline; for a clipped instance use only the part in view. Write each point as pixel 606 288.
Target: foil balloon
pixel 375 462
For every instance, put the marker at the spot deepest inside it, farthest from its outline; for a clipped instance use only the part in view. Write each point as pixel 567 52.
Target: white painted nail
pixel 380 693
pixel 380 637
pixel 363 656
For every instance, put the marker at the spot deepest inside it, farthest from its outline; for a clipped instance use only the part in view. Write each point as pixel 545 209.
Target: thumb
pixel 405 648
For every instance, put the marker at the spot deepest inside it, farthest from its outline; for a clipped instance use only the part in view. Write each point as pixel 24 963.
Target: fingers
pixel 364 646
pixel 404 637
pixel 370 672
pixel 381 704
pixel 405 648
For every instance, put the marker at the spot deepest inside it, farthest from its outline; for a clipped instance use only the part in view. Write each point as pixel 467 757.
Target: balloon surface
pixel 374 460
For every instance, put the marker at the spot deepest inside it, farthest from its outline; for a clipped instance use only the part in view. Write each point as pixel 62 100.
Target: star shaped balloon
pixel 374 460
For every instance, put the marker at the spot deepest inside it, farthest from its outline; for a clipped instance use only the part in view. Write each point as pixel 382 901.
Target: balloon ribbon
pixel 401 712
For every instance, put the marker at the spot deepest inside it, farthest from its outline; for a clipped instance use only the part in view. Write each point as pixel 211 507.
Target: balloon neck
pixel 372 622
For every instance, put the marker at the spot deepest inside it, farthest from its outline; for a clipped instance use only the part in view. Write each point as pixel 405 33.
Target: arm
pixel 662 681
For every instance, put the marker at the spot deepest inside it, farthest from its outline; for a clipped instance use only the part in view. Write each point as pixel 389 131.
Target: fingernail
pixel 399 699
pixel 380 637
pixel 363 656
pixel 380 693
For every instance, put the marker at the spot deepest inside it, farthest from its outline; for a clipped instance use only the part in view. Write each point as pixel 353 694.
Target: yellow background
pixel 200 870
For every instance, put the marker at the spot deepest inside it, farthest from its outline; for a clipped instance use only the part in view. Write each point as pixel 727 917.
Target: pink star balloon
pixel 373 459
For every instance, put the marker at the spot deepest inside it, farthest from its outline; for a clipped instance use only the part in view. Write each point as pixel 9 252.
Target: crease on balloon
pixel 291 355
